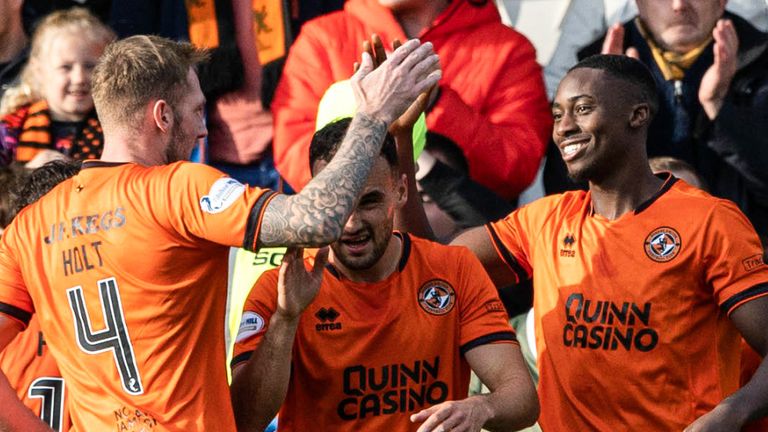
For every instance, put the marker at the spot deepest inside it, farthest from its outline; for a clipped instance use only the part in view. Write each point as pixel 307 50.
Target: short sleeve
pixel 733 258
pixel 205 203
pixel 259 307
pixel 512 236
pixel 483 319
pixel 14 297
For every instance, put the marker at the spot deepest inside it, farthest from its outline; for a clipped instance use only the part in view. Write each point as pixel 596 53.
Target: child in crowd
pixel 49 114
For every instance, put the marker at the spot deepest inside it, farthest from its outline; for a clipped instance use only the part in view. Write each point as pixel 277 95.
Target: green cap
pixel 338 102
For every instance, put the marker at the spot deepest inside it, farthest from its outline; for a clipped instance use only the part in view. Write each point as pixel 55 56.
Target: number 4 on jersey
pixel 114 337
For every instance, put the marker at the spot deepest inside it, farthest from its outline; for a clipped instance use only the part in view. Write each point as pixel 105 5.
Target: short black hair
pixel 326 142
pixel 40 181
pixel 628 70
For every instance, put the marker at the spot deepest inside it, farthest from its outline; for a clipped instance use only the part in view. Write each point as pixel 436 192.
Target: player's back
pixel 130 297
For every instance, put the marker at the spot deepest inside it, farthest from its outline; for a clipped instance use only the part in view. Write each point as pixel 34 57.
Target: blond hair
pixel 75 21
pixel 134 71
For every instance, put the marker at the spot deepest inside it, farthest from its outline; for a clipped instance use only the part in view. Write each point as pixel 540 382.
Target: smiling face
pixel 64 73
pixel 368 230
pixel 680 25
pixel 591 123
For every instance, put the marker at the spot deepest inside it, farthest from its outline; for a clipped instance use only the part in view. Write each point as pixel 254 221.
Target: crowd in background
pixel 488 146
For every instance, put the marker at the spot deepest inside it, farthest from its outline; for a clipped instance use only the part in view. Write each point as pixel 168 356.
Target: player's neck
pixel 386 265
pixel 134 149
pixel 416 19
pixel 623 192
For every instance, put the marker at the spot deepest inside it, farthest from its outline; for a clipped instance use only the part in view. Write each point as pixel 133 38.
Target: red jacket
pixel 492 99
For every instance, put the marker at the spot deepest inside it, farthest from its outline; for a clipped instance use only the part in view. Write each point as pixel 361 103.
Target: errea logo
pixel 327 318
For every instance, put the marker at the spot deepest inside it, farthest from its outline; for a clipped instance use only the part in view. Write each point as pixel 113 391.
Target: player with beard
pixel 384 336
pixel 641 284
pixel 125 264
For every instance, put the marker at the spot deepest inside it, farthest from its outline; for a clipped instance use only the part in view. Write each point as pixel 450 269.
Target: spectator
pixel 711 69
pixel 50 113
pixel 560 28
pixel 491 102
pixel 13 43
pixel 381 289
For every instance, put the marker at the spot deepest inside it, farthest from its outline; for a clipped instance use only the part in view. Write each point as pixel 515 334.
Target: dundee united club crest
pixel 437 297
pixel 662 244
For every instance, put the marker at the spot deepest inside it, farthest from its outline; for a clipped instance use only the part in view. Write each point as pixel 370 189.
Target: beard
pixel 180 146
pixel 365 262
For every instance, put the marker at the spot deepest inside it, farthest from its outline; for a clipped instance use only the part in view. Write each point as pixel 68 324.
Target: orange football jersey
pixel 32 371
pixel 632 327
pixel 368 355
pixel 126 269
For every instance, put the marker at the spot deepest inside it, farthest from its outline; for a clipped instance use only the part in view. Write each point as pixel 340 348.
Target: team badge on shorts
pixel 437 297
pixel 662 244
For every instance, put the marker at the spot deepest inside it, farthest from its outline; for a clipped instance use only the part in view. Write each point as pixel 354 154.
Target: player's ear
pixel 401 189
pixel 640 115
pixel 162 115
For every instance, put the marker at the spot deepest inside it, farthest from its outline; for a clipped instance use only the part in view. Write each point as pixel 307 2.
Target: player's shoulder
pixel 434 252
pixel 561 204
pixel 696 201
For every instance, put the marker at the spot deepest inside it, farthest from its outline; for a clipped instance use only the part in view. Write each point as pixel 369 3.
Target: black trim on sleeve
pixel 242 357
pixel 755 291
pixel 506 255
pixel 489 338
pixel 254 220
pixel 19 314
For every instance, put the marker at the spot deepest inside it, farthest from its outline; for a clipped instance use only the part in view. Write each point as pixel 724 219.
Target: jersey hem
pixel 240 358
pixel 506 255
pixel 745 296
pixel 252 228
pixel 488 339
pixel 16 313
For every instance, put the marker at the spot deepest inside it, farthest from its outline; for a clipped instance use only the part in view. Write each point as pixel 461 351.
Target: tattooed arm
pixel 317 215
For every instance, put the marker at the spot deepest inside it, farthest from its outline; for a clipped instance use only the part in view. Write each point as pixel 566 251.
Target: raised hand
pixel 614 43
pixel 717 80
pixel 297 287
pixel 404 123
pixel 386 91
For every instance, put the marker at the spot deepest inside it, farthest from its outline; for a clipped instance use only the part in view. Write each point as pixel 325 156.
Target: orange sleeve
pixel 513 236
pixel 733 257
pixel 257 311
pixel 14 297
pixel 483 317
pixel 205 203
